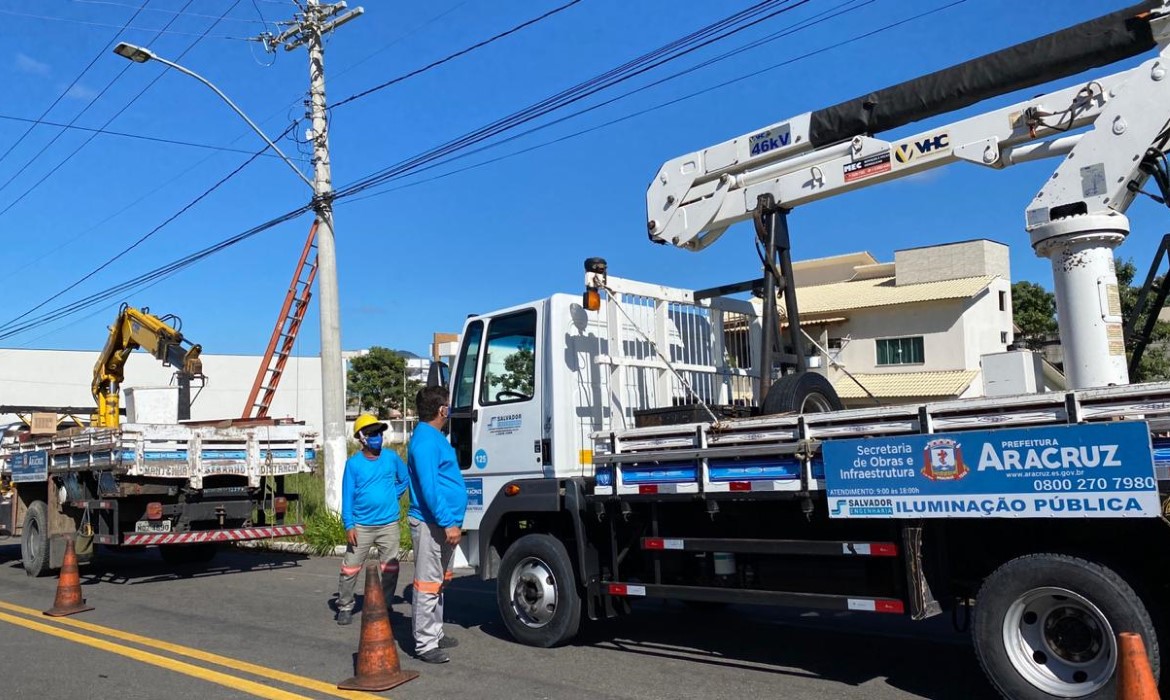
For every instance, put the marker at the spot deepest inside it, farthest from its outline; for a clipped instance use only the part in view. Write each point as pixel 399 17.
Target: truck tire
pixel 1046 627
pixel 804 392
pixel 537 592
pixel 180 554
pixel 34 541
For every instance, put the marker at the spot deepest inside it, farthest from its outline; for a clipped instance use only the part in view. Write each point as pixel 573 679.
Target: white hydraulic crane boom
pixel 1077 218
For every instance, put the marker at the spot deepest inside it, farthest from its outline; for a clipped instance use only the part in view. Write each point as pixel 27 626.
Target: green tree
pixel 519 371
pixel 1034 312
pixel 378 382
pixel 1155 363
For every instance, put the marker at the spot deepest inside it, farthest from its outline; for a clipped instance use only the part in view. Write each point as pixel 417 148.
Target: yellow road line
pixel 236 683
pixel 236 664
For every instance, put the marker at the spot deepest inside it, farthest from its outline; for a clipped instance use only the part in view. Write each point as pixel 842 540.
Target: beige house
pixel 910 330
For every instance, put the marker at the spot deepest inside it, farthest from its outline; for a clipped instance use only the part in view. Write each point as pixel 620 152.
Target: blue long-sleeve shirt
pixel 370 489
pixel 437 492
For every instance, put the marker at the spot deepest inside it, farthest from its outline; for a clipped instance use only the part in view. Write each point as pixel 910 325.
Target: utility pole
pixel 308 28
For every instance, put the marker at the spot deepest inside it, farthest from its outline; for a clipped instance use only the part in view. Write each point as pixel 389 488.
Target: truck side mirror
pixel 438 374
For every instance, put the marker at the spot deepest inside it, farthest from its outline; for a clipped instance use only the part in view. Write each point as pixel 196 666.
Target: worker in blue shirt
pixel 438 502
pixel 373 481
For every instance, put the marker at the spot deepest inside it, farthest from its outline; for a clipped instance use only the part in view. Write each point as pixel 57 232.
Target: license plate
pixel 152 526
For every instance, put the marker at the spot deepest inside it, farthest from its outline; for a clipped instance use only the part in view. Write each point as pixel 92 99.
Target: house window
pixel 1003 337
pixel 900 351
pixel 1003 301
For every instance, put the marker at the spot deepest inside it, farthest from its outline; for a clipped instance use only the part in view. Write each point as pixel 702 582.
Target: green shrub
pixel 324 531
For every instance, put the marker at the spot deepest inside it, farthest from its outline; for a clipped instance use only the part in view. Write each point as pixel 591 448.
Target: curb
pixel 304 548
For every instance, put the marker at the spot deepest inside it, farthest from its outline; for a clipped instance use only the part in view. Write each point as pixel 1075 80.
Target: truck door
pixel 504 420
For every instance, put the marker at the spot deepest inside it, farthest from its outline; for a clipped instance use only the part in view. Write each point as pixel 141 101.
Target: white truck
pixel 639 441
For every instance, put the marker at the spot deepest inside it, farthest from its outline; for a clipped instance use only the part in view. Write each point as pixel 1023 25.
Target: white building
pixel 63 377
pixel 910 330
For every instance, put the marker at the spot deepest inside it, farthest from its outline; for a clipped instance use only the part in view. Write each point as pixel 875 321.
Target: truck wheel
pixel 1046 627
pixel 179 554
pixel 34 542
pixel 804 392
pixel 537 592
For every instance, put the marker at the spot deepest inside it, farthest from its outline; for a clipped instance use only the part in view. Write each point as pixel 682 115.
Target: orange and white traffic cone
pixel 1135 678
pixel 68 600
pixel 377 658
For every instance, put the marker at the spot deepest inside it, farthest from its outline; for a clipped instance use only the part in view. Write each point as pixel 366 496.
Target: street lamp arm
pixel 237 110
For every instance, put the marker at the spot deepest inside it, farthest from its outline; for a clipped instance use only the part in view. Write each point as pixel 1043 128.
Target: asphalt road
pixel 257 624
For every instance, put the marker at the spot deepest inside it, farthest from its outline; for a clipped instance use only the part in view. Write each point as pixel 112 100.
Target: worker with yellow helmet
pixel 373 482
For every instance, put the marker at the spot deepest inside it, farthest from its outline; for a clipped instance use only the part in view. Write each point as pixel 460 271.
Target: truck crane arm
pixel 1112 133
pixel 135 329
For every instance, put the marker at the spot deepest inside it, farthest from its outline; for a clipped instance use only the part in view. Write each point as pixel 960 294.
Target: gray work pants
pixel 432 571
pixel 385 538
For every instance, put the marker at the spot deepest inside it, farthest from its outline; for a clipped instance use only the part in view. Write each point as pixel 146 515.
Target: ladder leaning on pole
pixel 284 335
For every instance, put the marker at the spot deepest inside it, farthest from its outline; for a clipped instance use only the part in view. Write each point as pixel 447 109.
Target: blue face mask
pixel 374 443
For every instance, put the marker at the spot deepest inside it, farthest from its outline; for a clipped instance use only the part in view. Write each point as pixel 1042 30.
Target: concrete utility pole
pixel 308 29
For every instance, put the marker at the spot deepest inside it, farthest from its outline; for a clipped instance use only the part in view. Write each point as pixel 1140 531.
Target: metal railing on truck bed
pixel 783 452
pixel 174 452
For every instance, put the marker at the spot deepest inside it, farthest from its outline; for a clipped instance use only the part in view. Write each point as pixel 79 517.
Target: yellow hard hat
pixel 364 421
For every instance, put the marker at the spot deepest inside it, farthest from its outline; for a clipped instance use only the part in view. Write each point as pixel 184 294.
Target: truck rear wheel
pixel 537 592
pixel 1046 626
pixel 34 541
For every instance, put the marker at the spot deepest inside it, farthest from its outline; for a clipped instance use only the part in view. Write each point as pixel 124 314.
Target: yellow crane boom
pixel 135 329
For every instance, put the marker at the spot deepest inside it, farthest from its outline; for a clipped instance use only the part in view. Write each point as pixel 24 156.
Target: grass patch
pixel 324 529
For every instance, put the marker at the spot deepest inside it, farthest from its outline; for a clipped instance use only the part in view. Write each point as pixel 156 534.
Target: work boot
pixel 448 642
pixel 344 617
pixel 434 656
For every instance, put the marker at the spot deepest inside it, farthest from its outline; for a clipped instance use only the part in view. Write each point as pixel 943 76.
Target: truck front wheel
pixel 1046 626
pixel 34 541
pixel 537 592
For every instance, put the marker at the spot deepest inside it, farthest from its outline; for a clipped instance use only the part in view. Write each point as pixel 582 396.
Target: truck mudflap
pixel 209 536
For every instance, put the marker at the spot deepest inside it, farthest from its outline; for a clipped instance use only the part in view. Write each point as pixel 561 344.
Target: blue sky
pixel 419 259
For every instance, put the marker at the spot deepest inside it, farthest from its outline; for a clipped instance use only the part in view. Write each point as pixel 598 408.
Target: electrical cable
pixel 114 117
pixel 123 134
pixel 641 112
pixel 114 26
pixel 548 105
pixel 457 54
pixel 71 85
pixel 142 239
pixel 173 12
pixel 164 272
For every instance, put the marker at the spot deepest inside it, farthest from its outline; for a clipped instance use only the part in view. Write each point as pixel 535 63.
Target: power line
pixel 399 38
pixel 641 112
pixel 681 47
pixel 80 75
pixel 109 121
pixel 153 276
pixel 115 26
pixel 164 272
pixel 704 37
pixel 170 12
pixel 457 54
pixel 142 239
pixel 123 134
pixel 93 100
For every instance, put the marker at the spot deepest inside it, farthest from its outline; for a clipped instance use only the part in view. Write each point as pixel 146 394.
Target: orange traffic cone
pixel 69 600
pixel 377 658
pixel 1135 678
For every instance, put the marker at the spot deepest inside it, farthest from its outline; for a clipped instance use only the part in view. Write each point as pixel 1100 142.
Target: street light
pixel 139 54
